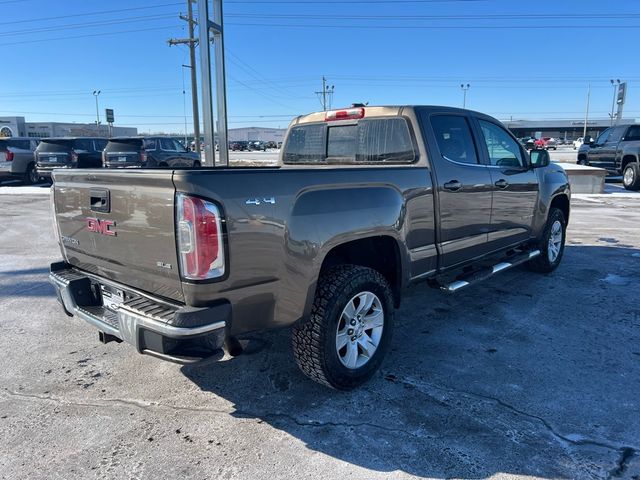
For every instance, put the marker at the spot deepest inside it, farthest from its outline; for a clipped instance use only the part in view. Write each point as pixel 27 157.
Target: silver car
pixel 16 159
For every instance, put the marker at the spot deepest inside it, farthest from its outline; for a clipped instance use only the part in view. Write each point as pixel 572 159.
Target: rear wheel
pixel 31 175
pixel 631 176
pixel 345 339
pixel 551 245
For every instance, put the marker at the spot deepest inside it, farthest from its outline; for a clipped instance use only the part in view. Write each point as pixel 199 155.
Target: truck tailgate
pixel 120 225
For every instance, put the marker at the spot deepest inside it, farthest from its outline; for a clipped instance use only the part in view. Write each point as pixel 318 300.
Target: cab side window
pixel 502 149
pixel 454 139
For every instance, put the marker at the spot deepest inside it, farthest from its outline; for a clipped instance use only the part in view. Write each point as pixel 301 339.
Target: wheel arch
pixel 561 202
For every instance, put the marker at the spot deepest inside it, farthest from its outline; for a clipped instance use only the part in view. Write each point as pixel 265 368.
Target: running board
pixel 483 274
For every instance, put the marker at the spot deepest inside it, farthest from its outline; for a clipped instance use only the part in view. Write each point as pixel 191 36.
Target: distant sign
pixel 109 114
pixel 622 92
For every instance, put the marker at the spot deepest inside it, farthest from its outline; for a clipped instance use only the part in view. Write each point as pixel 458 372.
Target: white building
pixel 18 127
pixel 253 134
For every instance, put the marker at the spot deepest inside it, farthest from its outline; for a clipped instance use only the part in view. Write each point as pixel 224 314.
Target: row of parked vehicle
pixel 245 146
pixel 32 160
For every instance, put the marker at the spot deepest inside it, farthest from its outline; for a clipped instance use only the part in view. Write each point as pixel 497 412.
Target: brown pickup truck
pixel 365 202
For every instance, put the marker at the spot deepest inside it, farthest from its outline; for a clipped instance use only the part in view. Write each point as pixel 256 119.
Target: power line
pixel 87 35
pixel 87 24
pixel 87 14
pixel 435 27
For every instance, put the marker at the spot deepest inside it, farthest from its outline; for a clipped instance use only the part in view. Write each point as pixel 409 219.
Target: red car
pixel 546 143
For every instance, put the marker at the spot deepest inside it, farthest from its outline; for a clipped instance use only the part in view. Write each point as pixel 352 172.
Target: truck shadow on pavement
pixel 524 374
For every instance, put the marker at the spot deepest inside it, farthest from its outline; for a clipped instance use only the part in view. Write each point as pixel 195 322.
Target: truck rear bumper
pixel 153 326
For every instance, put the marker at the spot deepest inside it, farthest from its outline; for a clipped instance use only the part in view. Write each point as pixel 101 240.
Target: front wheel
pixel 631 176
pixel 551 245
pixel 344 340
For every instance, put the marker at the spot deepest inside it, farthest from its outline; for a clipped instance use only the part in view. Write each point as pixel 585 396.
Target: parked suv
pixel 145 152
pixel 68 152
pixel 16 159
pixel 617 150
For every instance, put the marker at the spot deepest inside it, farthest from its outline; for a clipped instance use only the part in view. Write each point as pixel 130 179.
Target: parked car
pixel 617 150
pixel 546 143
pixel 528 142
pixel 577 143
pixel 240 146
pixel 430 193
pixel 257 146
pixel 68 152
pixel 16 159
pixel 141 152
pixel 271 144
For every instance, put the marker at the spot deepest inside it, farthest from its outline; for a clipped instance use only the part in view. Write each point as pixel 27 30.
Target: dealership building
pixel 561 129
pixel 19 127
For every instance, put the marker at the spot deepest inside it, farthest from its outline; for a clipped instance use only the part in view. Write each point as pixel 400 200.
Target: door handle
pixel 453 185
pixel 502 183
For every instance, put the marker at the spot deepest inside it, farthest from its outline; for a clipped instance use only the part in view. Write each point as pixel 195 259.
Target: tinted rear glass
pixel 124 145
pixel 22 144
pixel 55 145
pixel 83 144
pixel 371 140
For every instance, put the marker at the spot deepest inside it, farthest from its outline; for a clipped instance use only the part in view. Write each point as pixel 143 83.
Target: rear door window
pixel 167 145
pixel 633 134
pixel 99 144
pixel 149 143
pixel 454 139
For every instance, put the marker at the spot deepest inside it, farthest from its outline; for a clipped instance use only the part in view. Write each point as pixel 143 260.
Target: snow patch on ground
pixel 20 190
pixel 615 279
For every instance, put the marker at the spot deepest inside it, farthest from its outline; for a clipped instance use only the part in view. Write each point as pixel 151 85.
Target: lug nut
pixel 353 339
pixel 350 331
pixel 353 322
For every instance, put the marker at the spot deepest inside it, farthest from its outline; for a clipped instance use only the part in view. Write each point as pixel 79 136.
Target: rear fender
pixel 323 219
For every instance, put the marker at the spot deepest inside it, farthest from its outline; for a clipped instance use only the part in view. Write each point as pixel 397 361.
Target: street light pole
pixel 613 102
pixel 464 90
pixel 586 116
pixel 95 94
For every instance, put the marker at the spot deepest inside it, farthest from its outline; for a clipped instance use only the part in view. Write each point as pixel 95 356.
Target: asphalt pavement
pixel 522 376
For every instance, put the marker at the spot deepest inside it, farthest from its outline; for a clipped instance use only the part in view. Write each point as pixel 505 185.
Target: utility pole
pixel 326 92
pixel 191 41
pixel 613 102
pixel 464 97
pixel 586 116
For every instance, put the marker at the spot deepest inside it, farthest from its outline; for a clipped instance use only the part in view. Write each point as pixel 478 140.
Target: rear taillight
pixel 348 114
pixel 143 156
pixel 200 239
pixel 9 156
pixel 104 158
pixel 73 156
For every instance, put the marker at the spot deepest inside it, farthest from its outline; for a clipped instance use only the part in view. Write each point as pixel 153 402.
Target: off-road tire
pixel 542 263
pixel 314 338
pixel 633 174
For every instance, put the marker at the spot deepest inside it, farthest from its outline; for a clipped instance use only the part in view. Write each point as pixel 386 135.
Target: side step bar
pixel 483 274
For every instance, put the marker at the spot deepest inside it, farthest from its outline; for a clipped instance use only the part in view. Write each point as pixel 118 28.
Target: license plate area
pixel 53 159
pixel 122 159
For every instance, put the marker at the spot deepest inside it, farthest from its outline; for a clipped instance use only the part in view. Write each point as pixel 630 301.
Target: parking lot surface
pixel 522 376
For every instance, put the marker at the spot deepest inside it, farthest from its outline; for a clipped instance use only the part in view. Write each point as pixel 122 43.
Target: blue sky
pixel 527 60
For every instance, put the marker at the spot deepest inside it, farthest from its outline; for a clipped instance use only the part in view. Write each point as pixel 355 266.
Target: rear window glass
pixel 123 144
pixel 55 145
pixel 100 143
pixel 371 140
pixel 22 144
pixel 305 143
pixel 83 144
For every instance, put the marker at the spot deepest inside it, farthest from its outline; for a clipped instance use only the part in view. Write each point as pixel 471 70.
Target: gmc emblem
pixel 103 227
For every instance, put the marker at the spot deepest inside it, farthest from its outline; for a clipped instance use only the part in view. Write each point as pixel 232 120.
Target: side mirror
pixel 539 158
